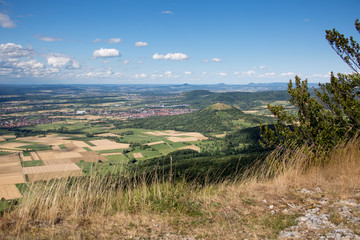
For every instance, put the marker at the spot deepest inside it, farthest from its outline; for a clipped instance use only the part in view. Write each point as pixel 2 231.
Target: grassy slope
pixel 254 207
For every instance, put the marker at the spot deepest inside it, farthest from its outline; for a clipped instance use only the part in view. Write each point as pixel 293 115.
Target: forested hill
pixel 242 100
pixel 217 118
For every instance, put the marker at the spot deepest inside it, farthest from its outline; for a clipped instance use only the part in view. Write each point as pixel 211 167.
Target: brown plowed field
pixel 10 170
pixel 9 191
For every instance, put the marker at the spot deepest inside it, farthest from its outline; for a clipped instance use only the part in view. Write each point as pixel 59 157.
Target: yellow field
pixel 2 139
pixel 183 139
pixel 13 145
pixel 175 136
pixel 51 168
pixel 34 156
pixel 10 170
pixel 106 144
pixel 9 191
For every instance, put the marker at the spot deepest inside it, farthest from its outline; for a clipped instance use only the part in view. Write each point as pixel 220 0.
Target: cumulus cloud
pixel 110 41
pixel 321 75
pixel 262 67
pixel 249 73
pixel 141 75
pixel 29 64
pixel 6 22
pixel 168 73
pixel 114 40
pixel 58 60
pixel 204 73
pixel 216 59
pixel 171 56
pixel 205 60
pixel 287 74
pixel 222 74
pixel 126 62
pixel 141 44
pixel 12 50
pixel 187 73
pixel 168 12
pixel 106 52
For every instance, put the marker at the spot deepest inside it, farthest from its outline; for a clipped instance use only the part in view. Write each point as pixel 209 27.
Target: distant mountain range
pixel 145 89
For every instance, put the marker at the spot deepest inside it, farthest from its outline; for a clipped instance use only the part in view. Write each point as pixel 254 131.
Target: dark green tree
pixel 327 118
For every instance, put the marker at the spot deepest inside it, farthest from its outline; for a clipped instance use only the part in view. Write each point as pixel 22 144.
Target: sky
pixel 171 41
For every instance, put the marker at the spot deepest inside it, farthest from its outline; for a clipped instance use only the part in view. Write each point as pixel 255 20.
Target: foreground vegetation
pixel 252 206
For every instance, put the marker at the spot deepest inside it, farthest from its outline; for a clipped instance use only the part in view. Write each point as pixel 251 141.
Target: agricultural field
pixel 51 156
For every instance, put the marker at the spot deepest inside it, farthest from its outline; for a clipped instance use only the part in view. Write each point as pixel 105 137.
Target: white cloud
pixel 262 67
pixel 187 73
pixel 29 64
pixel 106 52
pixel 236 73
pixel 171 56
pixel 126 62
pixel 216 59
pixel 141 75
pixel 287 74
pixel 222 74
pixel 168 12
pixel 141 44
pixel 249 73
pixel 270 74
pixel 12 50
pixel 205 61
pixel 114 40
pixel 321 75
pixel 58 60
pixel 6 22
pixel 140 62
pixel 109 41
pixel 48 39
pixel 168 73
pixel 204 73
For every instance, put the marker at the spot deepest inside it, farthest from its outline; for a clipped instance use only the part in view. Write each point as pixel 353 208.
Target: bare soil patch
pixel 9 191
pixel 138 155
pixel 109 154
pixel 10 170
pixel 34 156
pixel 193 147
pixel 155 143
pixel 13 145
pixel 106 144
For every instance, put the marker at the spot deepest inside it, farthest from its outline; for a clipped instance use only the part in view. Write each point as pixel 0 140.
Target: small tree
pixel 330 116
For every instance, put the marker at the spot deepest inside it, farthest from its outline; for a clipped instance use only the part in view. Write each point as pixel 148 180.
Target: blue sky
pixel 171 41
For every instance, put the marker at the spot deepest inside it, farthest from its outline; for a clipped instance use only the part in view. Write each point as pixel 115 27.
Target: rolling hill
pixel 217 118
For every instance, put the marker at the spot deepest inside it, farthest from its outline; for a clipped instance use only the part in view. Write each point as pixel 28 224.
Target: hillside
pixel 242 100
pixel 217 118
pixel 319 203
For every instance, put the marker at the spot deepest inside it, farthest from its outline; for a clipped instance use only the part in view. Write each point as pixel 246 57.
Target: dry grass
pixel 113 207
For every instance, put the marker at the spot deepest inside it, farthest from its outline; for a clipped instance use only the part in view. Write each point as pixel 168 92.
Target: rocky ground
pixel 323 218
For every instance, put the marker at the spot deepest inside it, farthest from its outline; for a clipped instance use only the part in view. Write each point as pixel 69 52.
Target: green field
pixel 36 147
pixel 62 146
pixel 33 163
